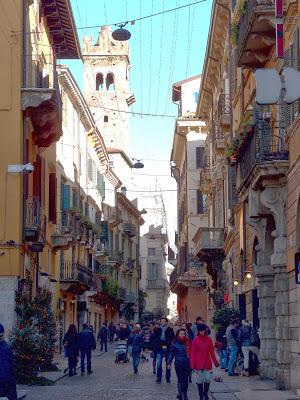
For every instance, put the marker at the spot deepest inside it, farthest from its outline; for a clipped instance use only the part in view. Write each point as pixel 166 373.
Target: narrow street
pixel 111 381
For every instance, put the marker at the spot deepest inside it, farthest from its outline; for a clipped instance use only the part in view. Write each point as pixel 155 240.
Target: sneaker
pixel 157 381
pixel 168 381
pixel 135 370
pixel 154 371
pixel 82 373
pixel 90 372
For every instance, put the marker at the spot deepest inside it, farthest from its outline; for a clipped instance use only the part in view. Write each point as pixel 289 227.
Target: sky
pixel 164 49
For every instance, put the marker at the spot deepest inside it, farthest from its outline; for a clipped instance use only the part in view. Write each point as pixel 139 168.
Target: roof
pixel 176 87
pixel 122 153
pixel 62 28
pixel 130 207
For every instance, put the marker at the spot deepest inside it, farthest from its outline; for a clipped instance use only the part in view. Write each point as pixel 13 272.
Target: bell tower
pixel 106 86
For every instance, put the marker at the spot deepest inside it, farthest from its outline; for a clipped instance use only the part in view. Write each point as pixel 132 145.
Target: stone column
pixel 266 295
pixel 274 198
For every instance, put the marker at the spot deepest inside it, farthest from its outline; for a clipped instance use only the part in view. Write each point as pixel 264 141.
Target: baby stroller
pixel 121 353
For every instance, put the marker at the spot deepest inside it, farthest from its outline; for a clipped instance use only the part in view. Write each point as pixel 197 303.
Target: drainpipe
pixel 24 125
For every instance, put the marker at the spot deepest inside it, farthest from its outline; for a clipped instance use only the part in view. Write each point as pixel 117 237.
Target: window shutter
pixel 101 185
pixel 74 198
pixel 37 177
pixel 232 195
pixel 52 197
pixel 200 204
pixel 66 197
pixel 90 169
pixel 200 157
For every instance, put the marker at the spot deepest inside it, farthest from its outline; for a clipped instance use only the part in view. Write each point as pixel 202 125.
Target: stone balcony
pixel 66 231
pixel 157 284
pixel 34 230
pixel 224 110
pixel 255 33
pixel 209 243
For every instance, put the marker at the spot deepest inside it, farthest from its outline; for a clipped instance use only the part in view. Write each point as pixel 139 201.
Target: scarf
pixel 187 343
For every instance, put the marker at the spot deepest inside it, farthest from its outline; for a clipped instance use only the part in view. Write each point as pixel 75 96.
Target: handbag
pixel 217 375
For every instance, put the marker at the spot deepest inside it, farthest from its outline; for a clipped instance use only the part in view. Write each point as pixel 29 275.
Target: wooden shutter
pixel 200 157
pixel 199 202
pixel 232 195
pixel 52 197
pixel 37 177
pixel 101 185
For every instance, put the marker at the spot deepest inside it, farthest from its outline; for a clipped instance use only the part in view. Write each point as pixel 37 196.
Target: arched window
pixel 110 82
pixel 99 82
pixel 105 118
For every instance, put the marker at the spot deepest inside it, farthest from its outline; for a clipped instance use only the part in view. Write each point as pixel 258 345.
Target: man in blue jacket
pixel 87 343
pixel 7 382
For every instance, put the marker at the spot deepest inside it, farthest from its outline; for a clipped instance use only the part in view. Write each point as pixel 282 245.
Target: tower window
pixel 99 82
pixel 105 118
pixel 110 82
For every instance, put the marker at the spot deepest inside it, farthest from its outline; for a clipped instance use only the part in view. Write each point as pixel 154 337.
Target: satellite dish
pixel 268 86
pixel 292 84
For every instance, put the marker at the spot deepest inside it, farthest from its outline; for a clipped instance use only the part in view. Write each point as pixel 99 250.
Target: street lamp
pixel 121 34
pixel 138 164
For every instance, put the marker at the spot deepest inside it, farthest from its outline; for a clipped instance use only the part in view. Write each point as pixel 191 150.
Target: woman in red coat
pixel 202 355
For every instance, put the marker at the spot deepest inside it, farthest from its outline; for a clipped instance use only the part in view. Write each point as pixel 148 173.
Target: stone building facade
pixel 258 171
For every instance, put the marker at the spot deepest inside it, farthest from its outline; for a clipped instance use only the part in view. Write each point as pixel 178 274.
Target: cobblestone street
pixel 109 381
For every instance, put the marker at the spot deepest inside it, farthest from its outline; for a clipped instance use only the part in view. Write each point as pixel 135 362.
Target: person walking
pixel 155 345
pixel 232 345
pixel 87 343
pixel 248 340
pixel 165 337
pixel 8 387
pixel 124 331
pixel 71 344
pixel 202 356
pixel 112 331
pixel 199 320
pixel 180 350
pixel 135 346
pixel 102 337
pixel 221 346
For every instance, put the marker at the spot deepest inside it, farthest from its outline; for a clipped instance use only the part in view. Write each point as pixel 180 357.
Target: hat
pixel 1 328
pixel 201 327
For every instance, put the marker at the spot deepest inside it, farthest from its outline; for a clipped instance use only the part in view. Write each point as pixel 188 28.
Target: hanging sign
pixel 297 268
pixel 279 28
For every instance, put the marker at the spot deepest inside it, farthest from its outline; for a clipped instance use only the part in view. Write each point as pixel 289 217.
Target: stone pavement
pixel 110 381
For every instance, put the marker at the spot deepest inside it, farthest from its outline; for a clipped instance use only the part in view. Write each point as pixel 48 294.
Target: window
pixel 52 198
pixel 151 251
pixel 201 203
pixel 153 271
pixel 99 82
pixel 110 82
pixel 90 169
pixel 65 197
pixel 105 118
pixel 101 185
pixel 200 157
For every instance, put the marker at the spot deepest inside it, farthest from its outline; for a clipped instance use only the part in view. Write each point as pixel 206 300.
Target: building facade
pixel 258 174
pixel 30 114
pixel 154 273
pixel 189 280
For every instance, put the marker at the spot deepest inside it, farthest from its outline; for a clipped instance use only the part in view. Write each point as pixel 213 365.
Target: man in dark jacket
pixel 112 331
pixel 87 343
pixel 164 337
pixel 103 335
pixel 7 382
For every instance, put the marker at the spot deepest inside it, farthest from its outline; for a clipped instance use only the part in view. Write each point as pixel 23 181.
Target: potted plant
pixel 232 150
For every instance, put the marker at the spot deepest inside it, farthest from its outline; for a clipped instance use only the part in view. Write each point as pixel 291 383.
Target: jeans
pixel 9 390
pixel 88 354
pixel 182 372
pixel 103 343
pixel 233 352
pixel 223 354
pixel 136 358
pixel 159 360
pixel 245 351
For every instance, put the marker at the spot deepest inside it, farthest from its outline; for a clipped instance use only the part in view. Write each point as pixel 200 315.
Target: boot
pixel 206 388
pixel 200 390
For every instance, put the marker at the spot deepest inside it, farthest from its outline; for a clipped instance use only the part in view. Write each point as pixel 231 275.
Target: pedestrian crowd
pixel 188 345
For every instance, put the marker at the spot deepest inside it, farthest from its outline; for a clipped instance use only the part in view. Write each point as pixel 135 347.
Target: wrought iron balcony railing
pixel 75 272
pixel 224 109
pixel 34 221
pixel 263 147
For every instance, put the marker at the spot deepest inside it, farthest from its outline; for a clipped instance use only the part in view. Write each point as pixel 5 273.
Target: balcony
pixel 129 265
pixel 129 229
pixel 34 225
pixel 66 231
pixel 157 283
pixel 77 276
pixel 209 243
pixel 224 110
pixel 116 257
pixel 219 139
pixel 206 179
pixel 255 33
pixel 42 103
pixel 264 155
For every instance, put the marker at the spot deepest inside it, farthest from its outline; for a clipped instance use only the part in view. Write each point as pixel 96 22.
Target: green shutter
pixel 90 169
pixel 65 197
pixel 104 231
pixel 101 185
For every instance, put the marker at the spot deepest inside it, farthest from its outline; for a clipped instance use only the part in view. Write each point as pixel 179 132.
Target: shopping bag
pixel 217 375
